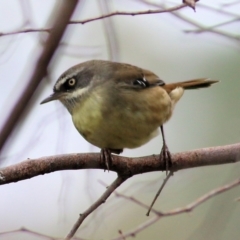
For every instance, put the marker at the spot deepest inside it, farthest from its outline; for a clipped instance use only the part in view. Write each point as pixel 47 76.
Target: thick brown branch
pixel 122 165
pixel 51 44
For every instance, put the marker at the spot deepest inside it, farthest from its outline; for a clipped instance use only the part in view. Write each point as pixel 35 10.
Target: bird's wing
pixel 138 78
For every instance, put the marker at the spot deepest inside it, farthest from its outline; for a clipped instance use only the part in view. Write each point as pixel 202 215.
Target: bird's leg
pixel 106 156
pixel 165 155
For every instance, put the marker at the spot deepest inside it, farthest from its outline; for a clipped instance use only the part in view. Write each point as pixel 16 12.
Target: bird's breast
pixel 126 119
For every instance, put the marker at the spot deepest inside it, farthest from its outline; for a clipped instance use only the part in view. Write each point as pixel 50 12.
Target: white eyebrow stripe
pixel 77 93
pixel 60 82
pixel 67 76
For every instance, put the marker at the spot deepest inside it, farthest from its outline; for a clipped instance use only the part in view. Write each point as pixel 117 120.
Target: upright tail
pixel 175 90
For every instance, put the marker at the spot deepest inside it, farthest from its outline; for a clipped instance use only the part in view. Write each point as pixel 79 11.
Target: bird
pixel 117 105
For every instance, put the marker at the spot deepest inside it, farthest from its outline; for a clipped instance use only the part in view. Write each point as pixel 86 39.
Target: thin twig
pixel 101 200
pixel 138 229
pixel 136 201
pixel 206 29
pixel 119 13
pixel 159 191
pixel 218 10
pixel 132 199
pixel 26 31
pixel 231 3
pixel 190 207
pixel 196 24
pixel 34 233
pixel 202 199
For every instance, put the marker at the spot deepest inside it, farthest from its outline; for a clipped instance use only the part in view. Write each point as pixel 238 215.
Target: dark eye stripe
pixel 68 84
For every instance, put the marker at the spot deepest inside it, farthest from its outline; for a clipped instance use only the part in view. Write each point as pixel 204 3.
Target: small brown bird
pixel 116 105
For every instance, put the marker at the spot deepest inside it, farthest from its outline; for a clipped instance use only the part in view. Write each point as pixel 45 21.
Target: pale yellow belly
pixel 121 124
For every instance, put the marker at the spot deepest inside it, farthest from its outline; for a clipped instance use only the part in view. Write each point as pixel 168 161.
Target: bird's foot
pixel 106 157
pixel 165 156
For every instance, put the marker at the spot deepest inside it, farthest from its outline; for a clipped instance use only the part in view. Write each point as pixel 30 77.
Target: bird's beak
pixel 52 97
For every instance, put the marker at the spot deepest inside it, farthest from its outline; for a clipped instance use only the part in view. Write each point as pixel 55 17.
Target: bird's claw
pixel 166 157
pixel 106 158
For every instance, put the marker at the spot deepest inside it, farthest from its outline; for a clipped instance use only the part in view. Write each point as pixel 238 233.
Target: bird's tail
pixel 175 90
pixel 191 84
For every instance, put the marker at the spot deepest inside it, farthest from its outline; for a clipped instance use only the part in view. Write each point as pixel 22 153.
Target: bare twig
pixel 26 31
pixel 202 28
pixel 223 11
pixel 101 200
pixel 118 13
pixel 33 233
pixel 159 191
pixel 231 3
pixel 122 165
pixel 138 229
pixel 196 24
pixel 134 200
pixel 51 44
pixel 205 29
pixel 130 14
pixel 202 199
pixel 190 207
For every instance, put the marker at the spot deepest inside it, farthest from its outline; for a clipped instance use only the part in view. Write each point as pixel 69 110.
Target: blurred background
pixel 177 46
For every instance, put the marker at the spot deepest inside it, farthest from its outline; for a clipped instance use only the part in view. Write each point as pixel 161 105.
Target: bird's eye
pixel 71 82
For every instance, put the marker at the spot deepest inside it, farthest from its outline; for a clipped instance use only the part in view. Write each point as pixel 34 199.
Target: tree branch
pixel 28 232
pixel 190 207
pixel 51 44
pixel 199 26
pixel 101 200
pixel 26 31
pixel 125 167
pixel 122 165
pixel 118 13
